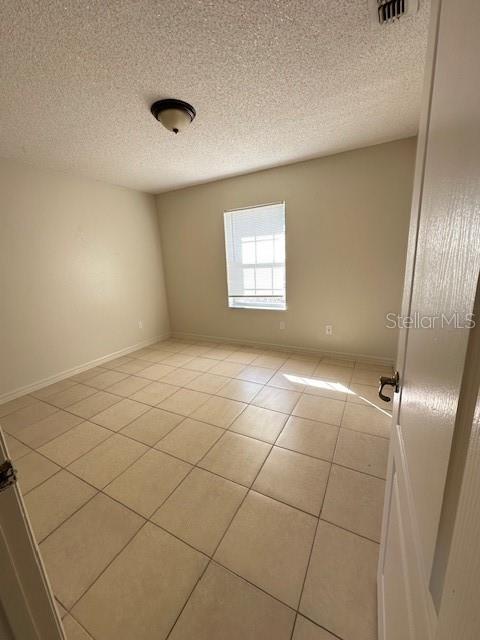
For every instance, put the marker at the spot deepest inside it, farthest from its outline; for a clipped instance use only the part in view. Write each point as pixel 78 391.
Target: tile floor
pixel 205 491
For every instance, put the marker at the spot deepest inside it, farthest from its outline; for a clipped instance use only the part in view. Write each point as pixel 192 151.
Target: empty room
pixel 239 284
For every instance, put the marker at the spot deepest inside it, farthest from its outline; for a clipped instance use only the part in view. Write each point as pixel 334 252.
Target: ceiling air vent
pixel 387 11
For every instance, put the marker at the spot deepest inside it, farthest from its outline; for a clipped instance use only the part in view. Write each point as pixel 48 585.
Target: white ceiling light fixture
pixel 175 115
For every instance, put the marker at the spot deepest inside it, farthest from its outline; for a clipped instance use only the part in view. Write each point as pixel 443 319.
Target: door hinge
pixel 8 476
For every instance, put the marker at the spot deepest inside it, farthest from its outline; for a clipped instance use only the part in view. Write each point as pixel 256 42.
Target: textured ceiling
pixel 273 82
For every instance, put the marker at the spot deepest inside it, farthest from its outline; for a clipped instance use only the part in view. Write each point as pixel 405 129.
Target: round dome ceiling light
pixel 175 115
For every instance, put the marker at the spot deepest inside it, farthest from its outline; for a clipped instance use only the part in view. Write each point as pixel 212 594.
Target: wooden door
pixel 439 296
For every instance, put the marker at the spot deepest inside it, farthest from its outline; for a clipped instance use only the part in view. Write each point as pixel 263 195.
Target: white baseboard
pixel 39 384
pixel 341 355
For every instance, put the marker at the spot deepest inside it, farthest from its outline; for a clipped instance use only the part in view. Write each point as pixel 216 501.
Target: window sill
pixel 252 308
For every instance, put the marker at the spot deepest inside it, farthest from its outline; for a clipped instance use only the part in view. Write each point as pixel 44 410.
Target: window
pixel 255 250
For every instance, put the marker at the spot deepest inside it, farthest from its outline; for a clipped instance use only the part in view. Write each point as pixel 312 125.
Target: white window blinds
pixel 255 250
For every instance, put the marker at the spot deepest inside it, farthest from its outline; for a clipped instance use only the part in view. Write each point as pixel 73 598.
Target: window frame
pixel 261 306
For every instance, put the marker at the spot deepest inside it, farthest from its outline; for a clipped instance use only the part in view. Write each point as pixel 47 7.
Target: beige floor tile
pixel 112 364
pixel 333 372
pixel 24 417
pixel 367 419
pixel 318 386
pixel 167 347
pixel 15 405
pixel 341 585
pixel 339 362
pixel 38 433
pixel 284 380
pixel 106 379
pixel 74 631
pixel 200 509
pixel 151 426
pixel 261 375
pixel 184 402
pixel 236 457
pixel 52 502
pixel 354 501
pixel 140 352
pixel 155 356
pixel 370 376
pixel 294 478
pixel 61 610
pixel 306 630
pixel 190 440
pixel 304 356
pixel 268 544
pixel 142 592
pixel 299 367
pixel 276 399
pixel 148 482
pixel 269 361
pixel 120 414
pixel 104 463
pixel 74 443
pixel 79 550
pixel 56 387
pixel 88 374
pixel 220 412
pixel 208 345
pixel 93 404
pixel 362 452
pixel 32 469
pixel 16 449
pixel 208 383
pixel 200 364
pixel 229 369
pixel 310 437
pixel 368 395
pixel 71 395
pixel 177 360
pixel 128 386
pixel 378 366
pixel 131 367
pixel 259 423
pixel 180 377
pixel 225 606
pixel 241 390
pixel 154 393
pixel 219 353
pixel 173 345
pixel 195 350
pixel 320 409
pixel 242 357
pixel 156 371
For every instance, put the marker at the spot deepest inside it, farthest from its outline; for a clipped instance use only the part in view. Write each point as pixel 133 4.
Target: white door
pixel 27 609
pixel 441 278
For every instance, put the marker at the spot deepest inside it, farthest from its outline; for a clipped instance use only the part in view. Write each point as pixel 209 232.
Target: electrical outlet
pixel 282 325
pixel 329 329
pixel 140 324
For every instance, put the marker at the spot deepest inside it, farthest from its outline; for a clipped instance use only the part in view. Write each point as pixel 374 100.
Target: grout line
pixel 196 465
pixel 219 542
pixel 334 635
pixel 316 527
pixel 88 633
pixel 355 533
pixel 116 555
pixel 146 519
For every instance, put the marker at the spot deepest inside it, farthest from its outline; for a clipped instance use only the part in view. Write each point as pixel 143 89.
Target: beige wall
pixel 347 225
pixel 80 265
